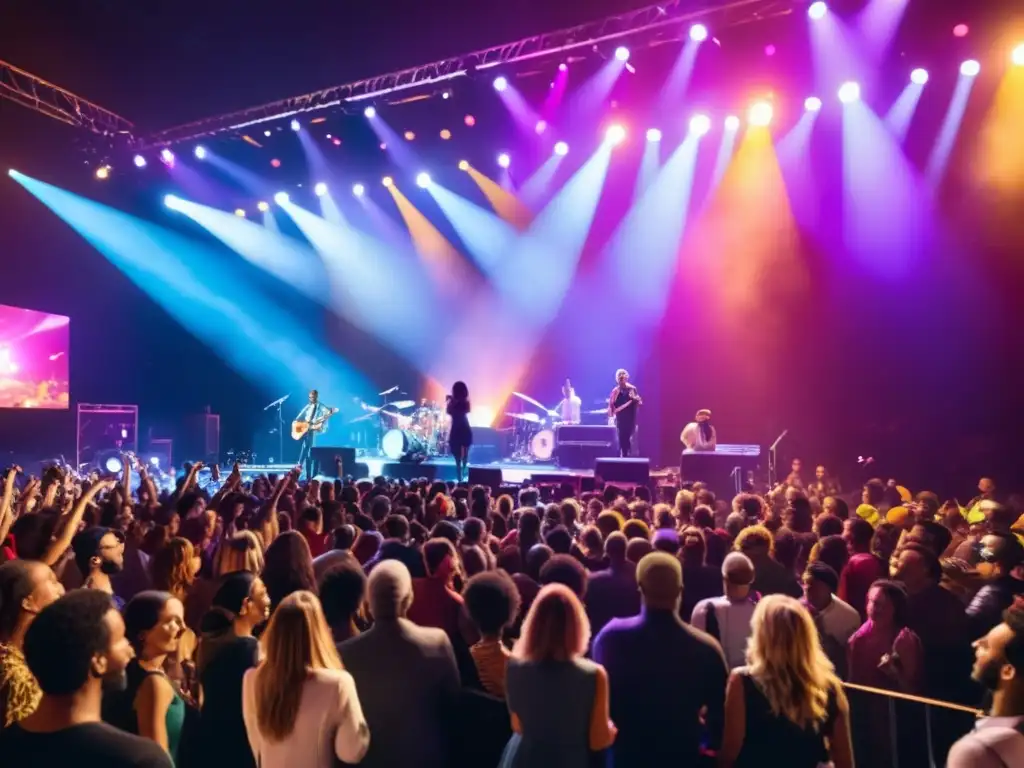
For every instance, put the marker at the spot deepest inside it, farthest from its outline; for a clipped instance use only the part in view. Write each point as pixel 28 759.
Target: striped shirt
pixel 491 659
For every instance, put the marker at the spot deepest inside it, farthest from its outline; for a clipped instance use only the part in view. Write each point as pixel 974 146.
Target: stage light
pixel 320 189
pixel 267 133
pixel 849 92
pixel 370 112
pixel 446 134
pixel 113 465
pixel 817 10
pixel 328 136
pixel 812 104
pixel 336 141
pixel 422 180
pixel 275 163
pixel 615 134
pixel 1017 56
pixel 281 198
pixel 387 181
pixel 700 125
pixel 295 125
pixel 919 76
pixel 103 172
pixel 166 156
pixel 463 165
pixel 469 120
pixel 383 146
pixel 561 148
pixel 358 190
pixel 409 136
pixel 563 67
pixel 446 94
pixel 961 30
pixel 240 213
pixel 760 114
pixel 504 160
pixel 200 152
pixel 622 53
pixel 653 134
pixel 732 123
pixel 970 68
pixel 140 161
pixel 172 201
pixel 698 33
pixel 540 127
pixel 263 206
pixel 500 83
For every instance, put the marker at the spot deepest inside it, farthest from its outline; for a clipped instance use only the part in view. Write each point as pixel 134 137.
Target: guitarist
pixel 310 413
pixel 622 405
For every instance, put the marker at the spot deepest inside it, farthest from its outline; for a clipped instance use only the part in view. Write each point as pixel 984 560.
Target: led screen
pixel 33 359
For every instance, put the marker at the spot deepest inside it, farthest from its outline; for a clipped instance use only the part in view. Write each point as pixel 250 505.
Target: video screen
pixel 33 358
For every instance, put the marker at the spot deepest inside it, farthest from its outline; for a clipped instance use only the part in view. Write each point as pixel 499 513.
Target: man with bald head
pixel 406 677
pixel 662 673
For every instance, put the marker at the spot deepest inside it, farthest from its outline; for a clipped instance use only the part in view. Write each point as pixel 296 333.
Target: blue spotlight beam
pixel 939 157
pixel 487 236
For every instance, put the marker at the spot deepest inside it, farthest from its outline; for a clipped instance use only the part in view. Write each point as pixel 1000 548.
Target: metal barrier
pixel 896 729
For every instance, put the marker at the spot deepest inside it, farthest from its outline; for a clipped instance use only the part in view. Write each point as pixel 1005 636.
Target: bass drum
pixel 401 443
pixel 542 445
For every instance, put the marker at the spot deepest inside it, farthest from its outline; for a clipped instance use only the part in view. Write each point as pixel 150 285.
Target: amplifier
pixel 579 446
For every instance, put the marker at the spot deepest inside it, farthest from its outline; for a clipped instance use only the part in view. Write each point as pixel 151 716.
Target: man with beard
pixel 99 554
pixel 76 647
pixel 997 741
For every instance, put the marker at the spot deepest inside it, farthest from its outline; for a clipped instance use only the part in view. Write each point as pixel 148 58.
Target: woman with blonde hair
pixel 558 700
pixel 241 552
pixel 300 707
pixel 787 700
pixel 174 567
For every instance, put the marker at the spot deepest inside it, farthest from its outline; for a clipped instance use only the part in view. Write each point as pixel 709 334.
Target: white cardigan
pixel 329 724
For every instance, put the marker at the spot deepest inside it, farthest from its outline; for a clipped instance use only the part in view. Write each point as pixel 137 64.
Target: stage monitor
pixel 33 359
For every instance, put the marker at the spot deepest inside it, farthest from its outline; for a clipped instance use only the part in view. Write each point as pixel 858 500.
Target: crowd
pixel 281 623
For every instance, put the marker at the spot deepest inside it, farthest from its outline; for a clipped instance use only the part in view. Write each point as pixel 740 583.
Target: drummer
pixel 568 409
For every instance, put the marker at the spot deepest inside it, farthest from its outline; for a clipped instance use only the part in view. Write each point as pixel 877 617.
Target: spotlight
pixel 200 152
pixel 370 112
pixel 172 201
pixel 653 134
pixel 103 172
pixel 329 136
pixel 320 189
pixel 504 160
pixel 615 134
pixel 358 190
pixel 295 125
pixel 817 10
pixel 563 67
pixel 113 465
pixel 446 95
pixel 387 181
pixel 422 180
pixel 622 53
pixel 167 156
pixel 500 83
pixel 140 161
pixel 732 123
pixel 262 206
pixel 540 127
pixel 267 133
pixel 410 136
pixel 240 213
pixel 281 198
pixel 700 125
pixel 698 33
pixel 812 103
pixel 463 165
pixel 760 114
pixel 970 68
pixel 561 148
pixel 961 30
pixel 336 141
pixel 446 134
pixel 275 163
pixel 849 92
pixel 919 76
pixel 469 120
pixel 1017 56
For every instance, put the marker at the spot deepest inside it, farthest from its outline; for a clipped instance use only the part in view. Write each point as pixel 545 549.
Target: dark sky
pixel 162 62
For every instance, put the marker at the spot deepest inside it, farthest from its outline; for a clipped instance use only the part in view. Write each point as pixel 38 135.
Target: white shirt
pixel 328 725
pixel 840 620
pixel 694 440
pixel 733 625
pixel 569 408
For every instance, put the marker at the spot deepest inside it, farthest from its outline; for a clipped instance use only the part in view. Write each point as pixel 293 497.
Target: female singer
pixel 461 436
pixel 622 407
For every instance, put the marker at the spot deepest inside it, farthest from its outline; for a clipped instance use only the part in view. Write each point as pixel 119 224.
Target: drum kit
pixel 409 432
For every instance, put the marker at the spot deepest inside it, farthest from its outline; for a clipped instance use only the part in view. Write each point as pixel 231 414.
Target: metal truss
pixel 646 26
pixel 37 94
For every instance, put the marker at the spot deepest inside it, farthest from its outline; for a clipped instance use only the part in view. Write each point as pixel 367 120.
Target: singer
pixel 461 436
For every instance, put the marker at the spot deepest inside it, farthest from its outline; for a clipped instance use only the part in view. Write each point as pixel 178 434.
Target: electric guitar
pixel 300 427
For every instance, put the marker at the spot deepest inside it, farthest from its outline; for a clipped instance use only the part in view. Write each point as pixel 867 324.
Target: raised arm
pixel 69 525
pixel 6 510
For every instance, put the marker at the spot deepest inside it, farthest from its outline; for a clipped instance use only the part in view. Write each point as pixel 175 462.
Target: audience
pixel 727 618
pixel 492 602
pixel 835 620
pixel 612 593
pixel 770 577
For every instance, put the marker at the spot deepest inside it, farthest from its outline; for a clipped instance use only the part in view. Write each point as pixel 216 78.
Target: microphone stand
pixel 280 425
pixel 773 461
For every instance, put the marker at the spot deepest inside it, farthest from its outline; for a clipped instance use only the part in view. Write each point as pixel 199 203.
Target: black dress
pixel 625 420
pixel 461 435
pixel 222 730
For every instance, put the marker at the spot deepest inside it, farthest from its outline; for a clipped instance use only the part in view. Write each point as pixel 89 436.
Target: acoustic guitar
pixel 300 427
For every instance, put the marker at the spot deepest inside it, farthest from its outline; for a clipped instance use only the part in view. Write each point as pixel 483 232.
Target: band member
pixel 460 437
pixel 568 409
pixel 622 406
pixel 313 411
pixel 699 435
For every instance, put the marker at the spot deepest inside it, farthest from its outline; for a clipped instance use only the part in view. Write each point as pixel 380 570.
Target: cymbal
pixel 531 417
pixel 402 404
pixel 530 400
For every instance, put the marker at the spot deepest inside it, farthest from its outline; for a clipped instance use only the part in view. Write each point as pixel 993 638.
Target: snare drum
pixel 398 444
pixel 542 445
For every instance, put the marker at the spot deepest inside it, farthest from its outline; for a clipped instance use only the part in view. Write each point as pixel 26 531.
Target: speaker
pixel 489 476
pixel 484 454
pixel 324 457
pixel 359 470
pixel 619 471
pixel 409 471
